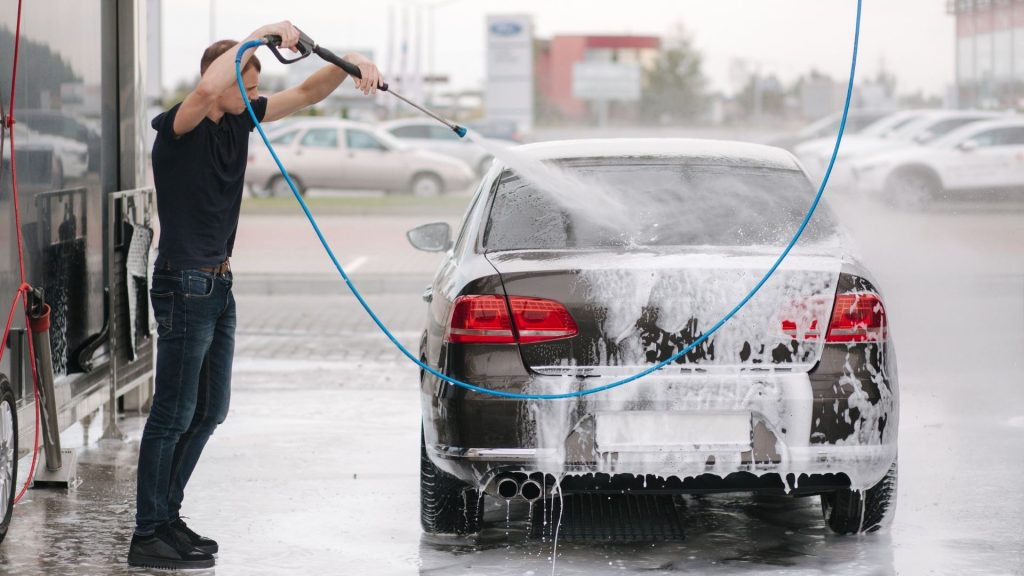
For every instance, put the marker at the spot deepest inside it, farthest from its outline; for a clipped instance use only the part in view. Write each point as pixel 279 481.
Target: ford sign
pixel 506 28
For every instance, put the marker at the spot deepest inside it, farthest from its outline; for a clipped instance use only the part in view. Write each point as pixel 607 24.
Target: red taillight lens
pixel 857 317
pixel 486 320
pixel 789 328
pixel 538 320
pixel 481 320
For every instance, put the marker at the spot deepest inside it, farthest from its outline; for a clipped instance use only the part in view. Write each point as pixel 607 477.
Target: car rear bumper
pixel 839 418
pixel 807 467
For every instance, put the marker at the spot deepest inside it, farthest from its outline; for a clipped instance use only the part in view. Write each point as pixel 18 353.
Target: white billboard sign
pixel 509 91
pixel 595 80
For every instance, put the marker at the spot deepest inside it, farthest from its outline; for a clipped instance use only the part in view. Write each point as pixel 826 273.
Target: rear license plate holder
pixel 662 431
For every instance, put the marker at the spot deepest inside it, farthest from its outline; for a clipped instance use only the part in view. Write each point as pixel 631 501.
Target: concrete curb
pixel 288 284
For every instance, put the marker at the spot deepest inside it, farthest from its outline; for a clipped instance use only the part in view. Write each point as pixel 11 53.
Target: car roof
pixel 721 151
pixel 308 121
pixel 408 122
pixel 980 126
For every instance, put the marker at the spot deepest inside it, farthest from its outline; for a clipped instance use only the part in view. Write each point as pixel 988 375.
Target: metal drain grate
pixel 610 518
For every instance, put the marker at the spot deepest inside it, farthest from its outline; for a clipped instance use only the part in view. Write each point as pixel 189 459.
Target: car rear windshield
pixel 656 203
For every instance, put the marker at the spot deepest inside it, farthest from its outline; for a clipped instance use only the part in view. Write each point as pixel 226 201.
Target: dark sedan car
pixel 620 258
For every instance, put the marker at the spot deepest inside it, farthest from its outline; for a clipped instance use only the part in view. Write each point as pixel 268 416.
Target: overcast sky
pixel 914 39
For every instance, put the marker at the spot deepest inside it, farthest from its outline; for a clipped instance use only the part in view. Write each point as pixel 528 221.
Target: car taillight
pixel 480 320
pixel 789 328
pixel 857 317
pixel 538 320
pixel 485 319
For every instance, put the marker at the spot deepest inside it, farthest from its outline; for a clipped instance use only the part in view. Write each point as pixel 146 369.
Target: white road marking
pixel 356 264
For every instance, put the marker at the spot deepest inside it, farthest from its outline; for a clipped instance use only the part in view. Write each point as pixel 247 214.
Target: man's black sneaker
pixel 166 549
pixel 201 543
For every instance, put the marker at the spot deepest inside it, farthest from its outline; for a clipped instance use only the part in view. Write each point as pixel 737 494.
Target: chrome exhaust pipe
pixel 530 490
pixel 507 487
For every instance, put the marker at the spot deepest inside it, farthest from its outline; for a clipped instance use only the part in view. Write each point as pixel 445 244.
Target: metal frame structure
pixel 116 380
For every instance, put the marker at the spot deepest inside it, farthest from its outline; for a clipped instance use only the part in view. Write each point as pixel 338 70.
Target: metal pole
pixel 392 60
pixel 48 417
pixel 16 343
pixel 418 92
pixel 213 21
pixel 111 431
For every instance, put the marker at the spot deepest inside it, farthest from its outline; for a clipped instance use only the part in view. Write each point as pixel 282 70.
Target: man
pixel 199 160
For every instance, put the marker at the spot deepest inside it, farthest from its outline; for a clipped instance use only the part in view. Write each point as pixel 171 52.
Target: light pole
pixel 213 21
pixel 423 38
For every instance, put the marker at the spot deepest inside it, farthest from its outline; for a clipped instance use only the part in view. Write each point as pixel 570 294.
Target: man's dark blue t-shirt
pixel 199 178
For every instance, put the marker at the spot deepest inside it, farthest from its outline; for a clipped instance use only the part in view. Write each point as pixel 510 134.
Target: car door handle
pixel 428 294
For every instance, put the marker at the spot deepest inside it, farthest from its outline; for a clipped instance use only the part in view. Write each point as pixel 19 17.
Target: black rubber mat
pixel 610 518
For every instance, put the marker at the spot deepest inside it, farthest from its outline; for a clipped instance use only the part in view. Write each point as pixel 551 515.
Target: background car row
pixel 913 157
pixel 404 156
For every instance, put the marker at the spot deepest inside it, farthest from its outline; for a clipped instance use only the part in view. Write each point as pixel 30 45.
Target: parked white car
pixel 434 137
pixel 72 156
pixel 913 129
pixel 856 122
pixel 982 159
pixel 339 154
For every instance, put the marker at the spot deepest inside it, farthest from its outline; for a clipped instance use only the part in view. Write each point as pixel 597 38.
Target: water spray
pixel 307 46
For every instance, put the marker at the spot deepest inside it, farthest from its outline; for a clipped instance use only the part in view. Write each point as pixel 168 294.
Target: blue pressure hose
pixel 617 383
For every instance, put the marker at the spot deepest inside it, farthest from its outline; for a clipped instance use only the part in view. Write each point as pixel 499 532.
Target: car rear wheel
pixel 278 186
pixel 854 511
pixel 484 165
pixel 8 453
pixel 912 188
pixel 426 185
pixel 447 505
pixel 58 174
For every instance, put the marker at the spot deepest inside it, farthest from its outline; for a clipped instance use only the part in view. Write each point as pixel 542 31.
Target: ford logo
pixel 506 28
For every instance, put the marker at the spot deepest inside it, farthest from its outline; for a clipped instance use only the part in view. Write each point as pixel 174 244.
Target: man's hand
pixel 289 34
pixel 371 75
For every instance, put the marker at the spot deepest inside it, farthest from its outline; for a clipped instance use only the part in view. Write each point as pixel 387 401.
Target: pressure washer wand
pixel 307 46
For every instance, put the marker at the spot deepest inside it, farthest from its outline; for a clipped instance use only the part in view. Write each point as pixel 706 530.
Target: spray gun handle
pixel 345 65
pixel 305 47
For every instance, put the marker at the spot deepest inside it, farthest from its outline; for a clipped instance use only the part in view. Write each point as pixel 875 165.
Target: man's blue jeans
pixel 195 315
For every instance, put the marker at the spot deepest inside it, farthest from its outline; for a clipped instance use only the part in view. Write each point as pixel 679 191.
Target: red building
pixel 554 67
pixel 989 52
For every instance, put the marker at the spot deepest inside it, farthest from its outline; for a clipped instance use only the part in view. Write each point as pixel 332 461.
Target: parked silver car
pixel 433 137
pixel 339 154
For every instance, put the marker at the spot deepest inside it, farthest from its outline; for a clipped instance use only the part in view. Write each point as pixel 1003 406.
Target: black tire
pixel 846 513
pixel 447 505
pixel 426 184
pixel 58 175
pixel 484 165
pixel 912 188
pixel 8 453
pixel 278 186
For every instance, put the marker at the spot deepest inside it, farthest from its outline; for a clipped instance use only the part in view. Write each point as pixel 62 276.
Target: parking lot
pixel 315 470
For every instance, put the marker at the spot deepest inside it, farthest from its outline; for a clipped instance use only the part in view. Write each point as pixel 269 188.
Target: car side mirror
pixel 433 237
pixel 968 146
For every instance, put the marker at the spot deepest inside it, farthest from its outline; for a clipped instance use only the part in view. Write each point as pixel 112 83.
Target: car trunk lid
pixel 635 308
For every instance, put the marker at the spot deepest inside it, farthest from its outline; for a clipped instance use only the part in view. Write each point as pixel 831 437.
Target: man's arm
pixel 319 86
pixel 221 75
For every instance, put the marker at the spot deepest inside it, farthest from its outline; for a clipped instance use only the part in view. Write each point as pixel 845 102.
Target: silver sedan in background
pixel 339 154
pixel 432 136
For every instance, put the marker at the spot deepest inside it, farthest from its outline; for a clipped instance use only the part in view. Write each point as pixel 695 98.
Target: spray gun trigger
pixel 304 47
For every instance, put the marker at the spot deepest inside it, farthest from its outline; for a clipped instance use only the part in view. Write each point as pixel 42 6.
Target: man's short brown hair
pixel 219 47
